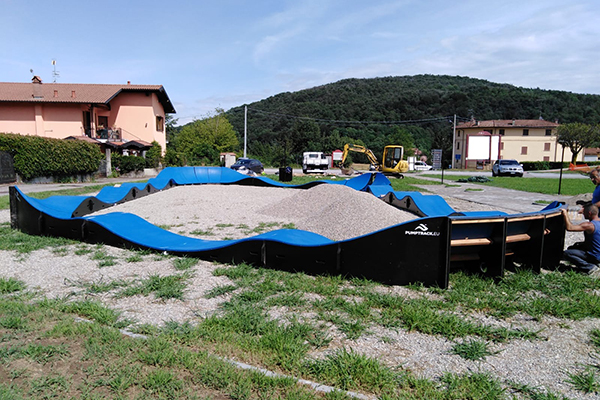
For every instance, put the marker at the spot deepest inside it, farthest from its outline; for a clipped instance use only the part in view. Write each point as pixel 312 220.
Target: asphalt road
pixel 551 174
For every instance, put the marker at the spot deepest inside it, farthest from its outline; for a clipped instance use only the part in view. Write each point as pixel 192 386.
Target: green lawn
pixel 569 187
pixel 85 190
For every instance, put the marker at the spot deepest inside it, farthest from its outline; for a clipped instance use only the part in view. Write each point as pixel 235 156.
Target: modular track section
pixel 421 250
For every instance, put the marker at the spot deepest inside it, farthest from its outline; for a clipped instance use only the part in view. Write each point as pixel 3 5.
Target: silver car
pixel 507 167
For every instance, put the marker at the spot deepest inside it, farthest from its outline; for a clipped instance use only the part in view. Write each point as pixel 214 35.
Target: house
pixel 477 144
pixel 111 115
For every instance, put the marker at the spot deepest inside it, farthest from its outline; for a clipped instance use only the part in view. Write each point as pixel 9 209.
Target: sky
pixel 226 53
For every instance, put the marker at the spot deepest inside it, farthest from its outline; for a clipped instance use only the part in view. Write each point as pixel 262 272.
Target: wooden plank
pixel 528 218
pixel 475 221
pixel 521 237
pixel 470 242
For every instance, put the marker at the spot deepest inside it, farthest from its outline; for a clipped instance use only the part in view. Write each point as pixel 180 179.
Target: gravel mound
pixel 217 212
pixel 337 212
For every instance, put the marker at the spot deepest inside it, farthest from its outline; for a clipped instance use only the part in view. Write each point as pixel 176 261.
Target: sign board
pixel 437 158
pixel 483 146
pixel 7 169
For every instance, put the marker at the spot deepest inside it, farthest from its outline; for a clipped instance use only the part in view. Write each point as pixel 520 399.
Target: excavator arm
pixel 359 149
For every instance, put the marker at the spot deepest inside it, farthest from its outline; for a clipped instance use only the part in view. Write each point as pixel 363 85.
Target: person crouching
pixel 584 255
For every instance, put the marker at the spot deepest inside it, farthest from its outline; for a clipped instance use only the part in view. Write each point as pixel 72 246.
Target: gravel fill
pixel 216 212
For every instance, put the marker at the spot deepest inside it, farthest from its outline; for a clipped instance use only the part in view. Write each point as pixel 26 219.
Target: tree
pixel 577 136
pixel 170 129
pixel 154 155
pixel 402 136
pixel 201 141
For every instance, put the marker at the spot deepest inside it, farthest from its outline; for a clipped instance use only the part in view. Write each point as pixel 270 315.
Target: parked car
pixel 507 167
pixel 248 165
pixel 422 166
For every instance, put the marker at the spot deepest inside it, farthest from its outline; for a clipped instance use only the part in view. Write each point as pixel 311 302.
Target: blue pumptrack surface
pixel 372 255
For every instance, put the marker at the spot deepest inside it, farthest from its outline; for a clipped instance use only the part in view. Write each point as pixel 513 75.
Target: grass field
pixel 46 351
pixel 569 187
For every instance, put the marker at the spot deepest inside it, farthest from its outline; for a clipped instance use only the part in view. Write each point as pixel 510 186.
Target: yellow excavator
pixel 393 163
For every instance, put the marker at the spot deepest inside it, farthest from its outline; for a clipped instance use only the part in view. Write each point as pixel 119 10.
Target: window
pixel 102 122
pixel 524 150
pixel 457 145
pixel 546 146
pixel 546 158
pixel 525 132
pixel 160 123
pixel 501 132
pixel 548 132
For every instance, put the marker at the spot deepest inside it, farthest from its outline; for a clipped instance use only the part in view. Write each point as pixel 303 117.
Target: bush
pixel 536 165
pixel 125 164
pixel 154 155
pixel 36 156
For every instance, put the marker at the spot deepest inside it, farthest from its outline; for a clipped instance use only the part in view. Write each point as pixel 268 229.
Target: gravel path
pixel 216 212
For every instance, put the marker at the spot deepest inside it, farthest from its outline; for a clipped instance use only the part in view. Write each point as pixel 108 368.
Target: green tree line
pixel 326 117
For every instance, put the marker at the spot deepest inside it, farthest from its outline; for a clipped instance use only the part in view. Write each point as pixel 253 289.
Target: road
pixel 552 174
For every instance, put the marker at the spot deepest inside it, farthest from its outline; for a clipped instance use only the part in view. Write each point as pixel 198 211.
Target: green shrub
pixel 125 164
pixel 154 155
pixel 36 156
pixel 536 165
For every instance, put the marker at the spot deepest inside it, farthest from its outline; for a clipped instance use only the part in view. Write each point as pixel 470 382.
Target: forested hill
pixel 272 127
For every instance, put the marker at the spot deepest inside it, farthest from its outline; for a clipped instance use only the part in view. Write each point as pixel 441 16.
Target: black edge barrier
pixel 416 251
pixel 398 255
pixel 554 240
pixel 405 203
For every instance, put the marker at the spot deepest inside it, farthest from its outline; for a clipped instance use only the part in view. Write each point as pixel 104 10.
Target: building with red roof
pixel 113 115
pixel 519 139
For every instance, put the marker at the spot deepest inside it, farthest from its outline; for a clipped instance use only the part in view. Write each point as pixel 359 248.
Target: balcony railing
pixel 111 135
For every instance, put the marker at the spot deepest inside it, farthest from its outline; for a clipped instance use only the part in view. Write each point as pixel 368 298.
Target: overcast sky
pixel 225 53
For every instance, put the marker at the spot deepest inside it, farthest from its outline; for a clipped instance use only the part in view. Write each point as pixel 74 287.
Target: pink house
pixel 111 114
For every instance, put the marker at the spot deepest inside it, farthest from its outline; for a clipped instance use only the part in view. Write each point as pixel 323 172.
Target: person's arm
pixel 586 226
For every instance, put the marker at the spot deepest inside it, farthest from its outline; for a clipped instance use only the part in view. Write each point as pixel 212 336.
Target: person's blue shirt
pixel 592 240
pixel 596 195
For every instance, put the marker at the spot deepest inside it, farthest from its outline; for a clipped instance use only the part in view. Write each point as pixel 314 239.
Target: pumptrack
pixel 419 251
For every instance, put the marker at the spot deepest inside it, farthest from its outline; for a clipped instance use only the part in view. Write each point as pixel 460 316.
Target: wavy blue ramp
pixel 416 251
pixel 290 250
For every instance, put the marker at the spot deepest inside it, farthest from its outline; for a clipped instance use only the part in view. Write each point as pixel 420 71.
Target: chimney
pixel 129 82
pixel 73 94
pixel 56 93
pixel 37 87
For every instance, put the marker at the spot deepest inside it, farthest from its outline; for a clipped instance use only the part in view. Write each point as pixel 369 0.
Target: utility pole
pixel 245 129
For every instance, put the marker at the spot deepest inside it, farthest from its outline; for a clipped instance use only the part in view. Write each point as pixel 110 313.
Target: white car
pixel 422 166
pixel 507 167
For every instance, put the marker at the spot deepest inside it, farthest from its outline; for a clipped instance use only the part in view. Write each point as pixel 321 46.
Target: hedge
pixel 125 164
pixel 546 165
pixel 36 156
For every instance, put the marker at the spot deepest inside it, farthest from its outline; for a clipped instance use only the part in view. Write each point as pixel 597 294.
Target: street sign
pixel 437 158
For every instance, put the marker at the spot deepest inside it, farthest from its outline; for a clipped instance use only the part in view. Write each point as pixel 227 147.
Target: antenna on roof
pixel 55 73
